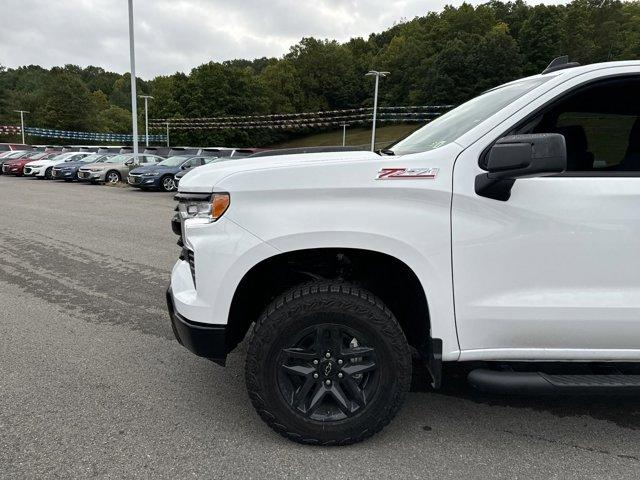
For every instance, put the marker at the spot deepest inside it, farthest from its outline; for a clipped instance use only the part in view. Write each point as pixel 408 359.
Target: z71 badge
pixel 407 173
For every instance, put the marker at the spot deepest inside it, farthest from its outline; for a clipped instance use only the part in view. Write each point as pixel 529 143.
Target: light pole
pixel 167 134
pixel 146 117
pixel 375 105
pixel 22 112
pixel 344 134
pixel 134 98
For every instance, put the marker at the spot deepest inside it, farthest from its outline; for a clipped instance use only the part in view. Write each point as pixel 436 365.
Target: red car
pixel 14 166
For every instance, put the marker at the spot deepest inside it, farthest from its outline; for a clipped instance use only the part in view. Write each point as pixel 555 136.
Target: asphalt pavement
pixel 93 385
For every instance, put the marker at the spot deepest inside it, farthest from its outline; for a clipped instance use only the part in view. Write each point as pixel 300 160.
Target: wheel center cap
pixel 328 367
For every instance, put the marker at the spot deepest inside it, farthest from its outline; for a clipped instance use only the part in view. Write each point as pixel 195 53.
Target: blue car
pixel 160 175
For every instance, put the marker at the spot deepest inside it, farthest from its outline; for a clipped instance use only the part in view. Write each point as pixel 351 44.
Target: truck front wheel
pixel 327 364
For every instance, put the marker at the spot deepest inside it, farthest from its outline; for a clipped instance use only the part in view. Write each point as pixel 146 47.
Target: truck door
pixel 554 272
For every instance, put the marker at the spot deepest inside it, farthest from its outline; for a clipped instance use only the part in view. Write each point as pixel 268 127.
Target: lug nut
pixel 340 375
pixel 315 362
pixel 315 375
pixel 328 354
pixel 328 382
pixel 340 362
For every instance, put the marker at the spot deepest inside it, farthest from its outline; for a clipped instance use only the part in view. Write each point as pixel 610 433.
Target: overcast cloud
pixel 177 35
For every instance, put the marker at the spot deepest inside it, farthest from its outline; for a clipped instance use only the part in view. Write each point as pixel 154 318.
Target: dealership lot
pixel 94 384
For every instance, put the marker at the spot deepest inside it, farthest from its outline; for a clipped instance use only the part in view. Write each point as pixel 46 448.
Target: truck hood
pixel 207 177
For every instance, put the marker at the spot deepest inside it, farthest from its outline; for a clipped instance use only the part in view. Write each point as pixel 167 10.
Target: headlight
pixel 97 169
pixel 204 206
pixel 150 174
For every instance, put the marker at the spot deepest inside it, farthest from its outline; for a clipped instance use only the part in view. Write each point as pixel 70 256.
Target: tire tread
pixel 262 334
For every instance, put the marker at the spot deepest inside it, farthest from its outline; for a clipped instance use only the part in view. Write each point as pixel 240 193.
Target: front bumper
pixel 89 176
pixel 141 181
pixel 33 171
pixel 215 257
pixel 12 170
pixel 64 174
pixel 205 340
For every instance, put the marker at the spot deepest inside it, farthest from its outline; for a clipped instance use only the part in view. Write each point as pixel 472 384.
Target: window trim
pixel 545 107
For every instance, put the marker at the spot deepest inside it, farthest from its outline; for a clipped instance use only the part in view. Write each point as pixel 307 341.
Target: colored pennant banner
pixel 10 130
pixel 437 109
pixel 91 136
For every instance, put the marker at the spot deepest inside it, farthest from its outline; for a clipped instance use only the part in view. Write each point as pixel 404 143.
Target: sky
pixel 177 35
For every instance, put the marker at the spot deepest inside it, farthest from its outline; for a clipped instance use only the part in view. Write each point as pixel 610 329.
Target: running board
pixel 538 383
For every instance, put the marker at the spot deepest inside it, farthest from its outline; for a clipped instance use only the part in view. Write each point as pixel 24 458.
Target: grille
pixel 134 179
pixel 83 174
pixel 192 265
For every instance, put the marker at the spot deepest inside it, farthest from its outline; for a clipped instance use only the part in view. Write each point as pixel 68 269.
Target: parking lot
pixel 94 385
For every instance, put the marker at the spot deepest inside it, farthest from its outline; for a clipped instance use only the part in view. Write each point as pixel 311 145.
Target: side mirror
pixel 521 156
pixel 185 167
pixel 129 162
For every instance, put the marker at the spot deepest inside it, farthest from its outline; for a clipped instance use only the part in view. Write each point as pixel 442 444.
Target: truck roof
pixel 579 70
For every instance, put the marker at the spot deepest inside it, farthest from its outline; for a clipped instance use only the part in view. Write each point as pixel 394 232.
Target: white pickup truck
pixel 504 235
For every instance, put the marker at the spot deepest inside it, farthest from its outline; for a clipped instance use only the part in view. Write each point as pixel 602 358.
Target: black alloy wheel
pixel 328 374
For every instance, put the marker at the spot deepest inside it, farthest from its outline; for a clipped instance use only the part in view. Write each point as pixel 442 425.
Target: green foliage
pixel 437 58
pixel 66 103
pixel 114 120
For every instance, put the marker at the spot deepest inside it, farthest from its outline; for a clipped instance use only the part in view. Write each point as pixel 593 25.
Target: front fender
pixel 435 280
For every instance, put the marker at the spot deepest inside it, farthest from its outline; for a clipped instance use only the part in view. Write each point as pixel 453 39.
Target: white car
pixel 44 168
pixel 502 237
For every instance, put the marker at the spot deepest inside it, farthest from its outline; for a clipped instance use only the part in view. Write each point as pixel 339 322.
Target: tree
pixel 440 57
pixel 67 104
pixel 541 37
pixel 114 120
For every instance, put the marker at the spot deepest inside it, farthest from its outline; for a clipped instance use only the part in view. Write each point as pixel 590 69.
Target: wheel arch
pixel 386 276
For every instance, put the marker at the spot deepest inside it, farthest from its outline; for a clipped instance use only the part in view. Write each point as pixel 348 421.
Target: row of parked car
pixel 155 168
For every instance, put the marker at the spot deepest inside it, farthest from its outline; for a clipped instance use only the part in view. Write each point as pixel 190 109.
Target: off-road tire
pixel 298 309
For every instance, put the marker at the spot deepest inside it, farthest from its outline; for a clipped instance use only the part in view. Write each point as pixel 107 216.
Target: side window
pixel 604 136
pixel 600 124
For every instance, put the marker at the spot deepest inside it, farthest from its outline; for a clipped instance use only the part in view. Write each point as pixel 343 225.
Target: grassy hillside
pixel 356 136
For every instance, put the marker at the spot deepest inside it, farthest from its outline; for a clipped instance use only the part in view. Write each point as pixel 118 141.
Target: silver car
pixel 116 168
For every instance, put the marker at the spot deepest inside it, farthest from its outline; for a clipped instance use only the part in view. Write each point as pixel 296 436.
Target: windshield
pixel 14 154
pixel 455 123
pixel 173 161
pixel 95 158
pixel 119 158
